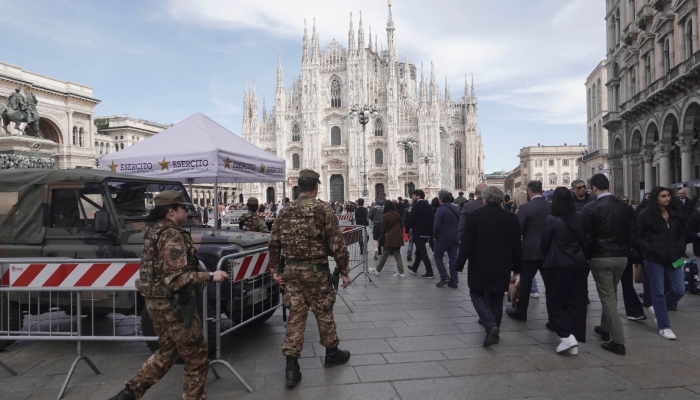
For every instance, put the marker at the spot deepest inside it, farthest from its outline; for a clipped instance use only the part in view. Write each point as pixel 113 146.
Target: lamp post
pixel 426 159
pixel 364 113
pixel 406 144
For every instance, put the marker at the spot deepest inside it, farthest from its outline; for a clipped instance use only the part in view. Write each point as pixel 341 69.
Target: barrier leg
pixel 365 267
pixel 218 360
pixel 8 369
pixel 80 351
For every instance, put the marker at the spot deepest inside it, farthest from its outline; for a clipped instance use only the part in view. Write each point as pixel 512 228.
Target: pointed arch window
pixel 335 136
pixel 295 161
pixel 378 157
pixel 335 93
pixel 296 133
pixel 378 128
pixel 459 181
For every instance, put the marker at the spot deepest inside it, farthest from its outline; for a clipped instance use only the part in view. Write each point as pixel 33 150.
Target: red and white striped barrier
pixel 66 275
pixel 249 266
pixel 346 217
pixel 352 237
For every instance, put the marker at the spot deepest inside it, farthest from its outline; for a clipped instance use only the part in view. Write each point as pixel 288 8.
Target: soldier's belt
pixel 317 266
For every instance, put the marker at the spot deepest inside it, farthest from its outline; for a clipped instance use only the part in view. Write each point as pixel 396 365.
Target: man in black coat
pixel 531 217
pixel 491 243
pixel 420 221
pixel 471 206
pixel 692 232
pixel 686 204
pixel 581 197
pixel 361 220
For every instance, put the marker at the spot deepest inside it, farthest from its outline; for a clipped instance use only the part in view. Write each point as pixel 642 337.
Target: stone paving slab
pixel 409 340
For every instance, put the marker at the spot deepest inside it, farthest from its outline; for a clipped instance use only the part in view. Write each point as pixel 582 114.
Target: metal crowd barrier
pixel 58 293
pixel 356 240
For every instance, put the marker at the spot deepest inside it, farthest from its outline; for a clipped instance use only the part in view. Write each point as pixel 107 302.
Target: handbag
pixel 383 235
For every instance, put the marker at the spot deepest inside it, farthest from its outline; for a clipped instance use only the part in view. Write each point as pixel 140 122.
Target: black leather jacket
pixel 563 241
pixel 609 227
pixel 665 246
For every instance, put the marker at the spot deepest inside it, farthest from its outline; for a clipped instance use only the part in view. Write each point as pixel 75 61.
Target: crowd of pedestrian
pixel 567 236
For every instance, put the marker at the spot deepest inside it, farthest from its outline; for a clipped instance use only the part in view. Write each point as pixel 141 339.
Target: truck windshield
pixel 134 200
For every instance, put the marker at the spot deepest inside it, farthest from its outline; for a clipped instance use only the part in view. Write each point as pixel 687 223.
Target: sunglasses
pixel 625 201
pixel 579 187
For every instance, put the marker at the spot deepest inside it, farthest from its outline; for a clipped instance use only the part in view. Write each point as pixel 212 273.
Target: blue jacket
pixel 446 225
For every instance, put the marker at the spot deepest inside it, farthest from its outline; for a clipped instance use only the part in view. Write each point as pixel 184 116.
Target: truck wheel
pixel 148 330
pixel 11 319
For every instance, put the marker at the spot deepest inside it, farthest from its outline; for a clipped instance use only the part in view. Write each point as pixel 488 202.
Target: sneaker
pixel 373 271
pixel 376 255
pixel 637 317
pixel 566 344
pixel 667 334
pixel 573 351
pixel 535 295
pixel 399 275
pixel 442 284
pixel 453 285
pixel 427 276
pixel 413 271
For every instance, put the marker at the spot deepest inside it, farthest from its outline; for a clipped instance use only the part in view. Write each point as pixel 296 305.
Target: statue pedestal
pixel 20 151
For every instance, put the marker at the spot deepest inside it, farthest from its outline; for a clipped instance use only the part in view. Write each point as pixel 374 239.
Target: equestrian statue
pixel 19 109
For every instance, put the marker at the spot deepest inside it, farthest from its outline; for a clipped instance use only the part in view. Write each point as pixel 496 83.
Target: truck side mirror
pixel 102 222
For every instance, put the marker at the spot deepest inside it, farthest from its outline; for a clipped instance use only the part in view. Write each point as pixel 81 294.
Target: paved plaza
pixel 409 340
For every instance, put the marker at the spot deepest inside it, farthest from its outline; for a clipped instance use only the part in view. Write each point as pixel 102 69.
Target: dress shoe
pixel 515 314
pixel 604 336
pixel 453 285
pixel 292 372
pixel 335 357
pixel 492 336
pixel 442 284
pixel 567 343
pixel 125 394
pixel 427 276
pixel 667 334
pixel 614 348
pixel 413 271
pixel 409 258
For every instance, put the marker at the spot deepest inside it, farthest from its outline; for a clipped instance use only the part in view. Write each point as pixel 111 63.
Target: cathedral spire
pixel 473 93
pixel 351 40
pixel 280 76
pixel 264 108
pixel 467 99
pixel 316 47
pixel 390 36
pixel 305 47
pixel 254 102
pixel 361 34
pixel 370 37
pixel 447 90
pixel 423 88
pixel 246 104
pixel 433 84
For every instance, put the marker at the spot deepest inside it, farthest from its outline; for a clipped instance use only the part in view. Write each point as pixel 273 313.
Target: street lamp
pixel 406 144
pixel 365 113
pixel 426 159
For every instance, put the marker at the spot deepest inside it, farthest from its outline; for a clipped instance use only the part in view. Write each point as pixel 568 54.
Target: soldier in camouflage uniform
pixel 170 264
pixel 251 221
pixel 307 232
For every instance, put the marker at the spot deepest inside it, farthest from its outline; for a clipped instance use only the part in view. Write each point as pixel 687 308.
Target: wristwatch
pixel 211 276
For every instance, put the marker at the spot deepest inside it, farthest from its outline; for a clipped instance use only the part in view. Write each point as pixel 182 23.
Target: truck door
pixel 70 230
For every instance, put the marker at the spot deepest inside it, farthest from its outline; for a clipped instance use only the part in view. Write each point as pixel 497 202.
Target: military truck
pixel 92 214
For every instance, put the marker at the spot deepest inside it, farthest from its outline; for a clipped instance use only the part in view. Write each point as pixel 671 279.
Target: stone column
pixel 635 177
pixel 686 146
pixel 648 158
pixel 664 152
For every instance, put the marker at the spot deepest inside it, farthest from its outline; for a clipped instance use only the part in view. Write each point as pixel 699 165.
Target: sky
pixel 163 60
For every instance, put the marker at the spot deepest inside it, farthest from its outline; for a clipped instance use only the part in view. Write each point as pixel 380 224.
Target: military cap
pixel 307 173
pixel 252 201
pixel 170 197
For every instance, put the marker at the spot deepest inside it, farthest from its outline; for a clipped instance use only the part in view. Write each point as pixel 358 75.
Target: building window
pixel 565 180
pixel 647 71
pixel 378 130
pixel 538 163
pixel 594 102
pixel 81 137
pixel 75 135
pixel 296 135
pixel 458 166
pixel 295 161
pixel 409 155
pixel 689 39
pixel 552 180
pixel 335 136
pixel 633 81
pixel 589 99
pixel 667 56
pixel 378 157
pixel 565 162
pixel 335 93
pixel 551 163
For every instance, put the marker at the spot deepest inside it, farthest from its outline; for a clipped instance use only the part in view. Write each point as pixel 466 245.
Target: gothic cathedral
pixel 310 127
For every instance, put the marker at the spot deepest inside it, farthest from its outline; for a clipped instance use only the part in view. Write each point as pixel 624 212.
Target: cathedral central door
pixel 337 188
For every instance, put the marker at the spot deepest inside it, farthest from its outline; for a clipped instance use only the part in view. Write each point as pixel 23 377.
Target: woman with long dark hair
pixel 565 270
pixel 660 234
pixel 392 233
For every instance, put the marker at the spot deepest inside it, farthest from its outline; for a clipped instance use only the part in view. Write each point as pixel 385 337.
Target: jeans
pixel 489 306
pixel 410 245
pixel 422 255
pixel 661 277
pixel 607 272
pixel 533 287
pixel 452 250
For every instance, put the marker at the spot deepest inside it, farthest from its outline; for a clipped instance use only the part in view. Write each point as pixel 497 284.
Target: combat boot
pixel 126 394
pixel 292 372
pixel 335 356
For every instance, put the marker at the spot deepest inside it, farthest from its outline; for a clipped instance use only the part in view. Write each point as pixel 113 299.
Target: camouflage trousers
pixel 305 288
pixel 174 340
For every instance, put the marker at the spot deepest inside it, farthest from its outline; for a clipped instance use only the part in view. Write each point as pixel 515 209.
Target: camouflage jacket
pixel 307 231
pixel 251 221
pixel 169 262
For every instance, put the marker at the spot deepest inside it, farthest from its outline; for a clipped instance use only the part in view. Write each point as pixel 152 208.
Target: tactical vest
pixel 150 282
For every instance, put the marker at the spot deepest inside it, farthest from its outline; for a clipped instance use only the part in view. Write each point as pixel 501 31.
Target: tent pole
pixel 189 181
pixel 216 205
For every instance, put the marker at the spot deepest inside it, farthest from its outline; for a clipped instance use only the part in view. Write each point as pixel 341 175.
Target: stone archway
pixel 49 130
pixel 337 186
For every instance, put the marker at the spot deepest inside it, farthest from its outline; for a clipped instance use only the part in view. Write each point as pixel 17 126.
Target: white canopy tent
pixel 197 150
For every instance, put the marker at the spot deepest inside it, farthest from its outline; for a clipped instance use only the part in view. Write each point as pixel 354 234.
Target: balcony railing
pixel 644 16
pixel 611 120
pixel 592 155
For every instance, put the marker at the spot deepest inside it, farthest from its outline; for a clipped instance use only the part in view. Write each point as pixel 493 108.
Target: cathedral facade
pixel 310 126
